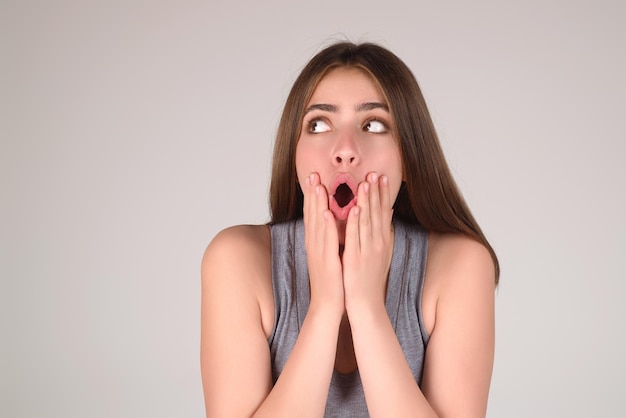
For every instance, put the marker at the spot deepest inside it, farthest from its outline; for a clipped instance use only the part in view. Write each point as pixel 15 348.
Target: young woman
pixel 371 291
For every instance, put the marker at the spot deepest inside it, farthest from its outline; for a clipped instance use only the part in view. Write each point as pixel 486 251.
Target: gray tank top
pixel 290 281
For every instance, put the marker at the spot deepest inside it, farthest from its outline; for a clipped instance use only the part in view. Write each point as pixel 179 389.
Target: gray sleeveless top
pixel 290 281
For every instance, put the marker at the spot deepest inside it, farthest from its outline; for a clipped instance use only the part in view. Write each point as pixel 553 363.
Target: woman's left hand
pixel 368 244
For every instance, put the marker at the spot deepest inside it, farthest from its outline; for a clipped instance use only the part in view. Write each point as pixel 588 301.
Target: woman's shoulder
pixel 241 238
pixel 459 269
pixel 457 253
pixel 236 271
pixel 238 251
pixel 240 241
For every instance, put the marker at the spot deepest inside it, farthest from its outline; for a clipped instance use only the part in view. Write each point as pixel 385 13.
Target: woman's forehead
pixel 347 84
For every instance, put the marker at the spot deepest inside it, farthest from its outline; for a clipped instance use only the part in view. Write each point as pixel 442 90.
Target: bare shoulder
pixel 238 248
pixel 233 241
pixel 458 268
pixel 237 264
pixel 457 260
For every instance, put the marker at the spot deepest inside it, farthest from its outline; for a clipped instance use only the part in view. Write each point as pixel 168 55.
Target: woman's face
pixel 346 134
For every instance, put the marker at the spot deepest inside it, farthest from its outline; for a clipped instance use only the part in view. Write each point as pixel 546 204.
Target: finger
pixel 386 204
pixel 331 237
pixel 352 244
pixel 306 192
pixel 321 202
pixel 309 209
pixel 326 230
pixel 365 231
pixel 374 201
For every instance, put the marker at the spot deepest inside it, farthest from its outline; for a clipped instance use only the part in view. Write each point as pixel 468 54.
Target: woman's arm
pixel 389 386
pixel 459 357
pixel 235 359
pixel 236 365
pixel 236 369
pixel 302 388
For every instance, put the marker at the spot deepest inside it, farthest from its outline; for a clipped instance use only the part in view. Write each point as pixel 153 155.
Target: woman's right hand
pixel 322 248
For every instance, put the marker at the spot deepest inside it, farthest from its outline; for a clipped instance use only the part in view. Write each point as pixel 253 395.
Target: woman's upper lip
pixel 341 178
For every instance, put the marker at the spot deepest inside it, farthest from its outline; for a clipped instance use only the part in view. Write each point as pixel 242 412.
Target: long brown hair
pixel 429 195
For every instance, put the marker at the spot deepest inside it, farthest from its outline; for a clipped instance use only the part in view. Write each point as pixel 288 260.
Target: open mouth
pixel 343 186
pixel 343 195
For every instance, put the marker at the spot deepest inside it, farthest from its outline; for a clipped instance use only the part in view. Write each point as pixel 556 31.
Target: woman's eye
pixel 317 126
pixel 375 126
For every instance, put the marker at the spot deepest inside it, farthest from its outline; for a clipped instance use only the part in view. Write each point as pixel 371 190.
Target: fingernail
pixel 374 178
pixel 366 187
pixel 317 189
pixel 385 180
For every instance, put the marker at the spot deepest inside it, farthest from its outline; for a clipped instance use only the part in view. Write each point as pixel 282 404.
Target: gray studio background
pixel 133 131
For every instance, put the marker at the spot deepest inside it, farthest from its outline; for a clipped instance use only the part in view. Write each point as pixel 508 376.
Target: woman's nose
pixel 344 157
pixel 346 152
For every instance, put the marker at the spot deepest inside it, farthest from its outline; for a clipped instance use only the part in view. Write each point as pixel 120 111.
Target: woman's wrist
pixel 326 311
pixel 361 310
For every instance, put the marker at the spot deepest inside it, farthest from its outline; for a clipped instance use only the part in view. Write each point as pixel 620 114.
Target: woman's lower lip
pixel 341 213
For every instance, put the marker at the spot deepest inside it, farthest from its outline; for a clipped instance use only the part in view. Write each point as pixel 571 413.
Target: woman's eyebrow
pixel 322 106
pixel 359 108
pixel 371 106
